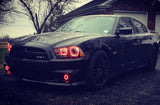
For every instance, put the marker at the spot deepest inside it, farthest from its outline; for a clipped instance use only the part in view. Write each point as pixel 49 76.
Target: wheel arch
pixel 106 49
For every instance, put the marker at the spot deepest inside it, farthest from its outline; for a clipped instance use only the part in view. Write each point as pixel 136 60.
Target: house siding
pixel 137 5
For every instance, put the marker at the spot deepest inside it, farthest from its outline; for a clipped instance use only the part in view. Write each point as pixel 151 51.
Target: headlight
pixel 9 46
pixel 69 52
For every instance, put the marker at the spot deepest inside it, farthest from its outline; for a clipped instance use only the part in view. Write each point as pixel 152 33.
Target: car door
pixel 130 42
pixel 144 39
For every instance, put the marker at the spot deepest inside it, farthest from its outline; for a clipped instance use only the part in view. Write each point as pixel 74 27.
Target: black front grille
pixel 29 53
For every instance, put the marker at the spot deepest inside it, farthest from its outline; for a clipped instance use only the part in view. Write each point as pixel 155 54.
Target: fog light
pixel 8 72
pixel 66 76
pixel 7 67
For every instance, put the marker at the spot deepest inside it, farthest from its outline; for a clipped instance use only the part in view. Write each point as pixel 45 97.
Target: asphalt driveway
pixel 132 88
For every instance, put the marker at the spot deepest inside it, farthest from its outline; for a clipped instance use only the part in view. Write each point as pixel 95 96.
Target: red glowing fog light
pixel 8 72
pixel 7 67
pixel 66 76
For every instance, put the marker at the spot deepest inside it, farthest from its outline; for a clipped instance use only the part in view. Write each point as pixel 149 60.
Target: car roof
pixel 117 16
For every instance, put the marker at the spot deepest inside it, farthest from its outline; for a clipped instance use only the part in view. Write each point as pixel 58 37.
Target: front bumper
pixel 57 83
pixel 49 72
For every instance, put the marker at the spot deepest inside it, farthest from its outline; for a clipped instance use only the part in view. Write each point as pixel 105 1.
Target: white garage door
pixel 141 16
pixel 157 28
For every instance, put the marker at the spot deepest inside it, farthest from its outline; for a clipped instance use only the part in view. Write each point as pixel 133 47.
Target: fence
pixel 3 50
pixel 3 44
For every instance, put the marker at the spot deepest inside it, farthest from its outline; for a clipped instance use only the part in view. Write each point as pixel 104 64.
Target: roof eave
pixel 94 9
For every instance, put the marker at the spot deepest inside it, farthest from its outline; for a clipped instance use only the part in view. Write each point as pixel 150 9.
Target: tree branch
pixel 31 14
pixel 51 10
pixel 21 13
pixel 37 22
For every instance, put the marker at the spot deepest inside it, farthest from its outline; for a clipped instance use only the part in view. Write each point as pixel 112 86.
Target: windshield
pixel 89 24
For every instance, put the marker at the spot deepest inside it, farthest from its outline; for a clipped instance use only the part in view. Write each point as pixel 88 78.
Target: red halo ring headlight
pixel 69 52
pixel 74 51
pixel 63 51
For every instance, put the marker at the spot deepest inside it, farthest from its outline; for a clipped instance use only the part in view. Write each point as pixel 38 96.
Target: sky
pixel 23 26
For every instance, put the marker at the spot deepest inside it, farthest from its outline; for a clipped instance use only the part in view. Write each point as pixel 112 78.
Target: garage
pixel 157 28
pixel 146 11
pixel 139 15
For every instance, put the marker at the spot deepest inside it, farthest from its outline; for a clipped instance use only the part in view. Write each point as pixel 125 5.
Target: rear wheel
pixel 98 71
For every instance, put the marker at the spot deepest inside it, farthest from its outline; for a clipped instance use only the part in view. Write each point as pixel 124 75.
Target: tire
pixel 152 62
pixel 98 71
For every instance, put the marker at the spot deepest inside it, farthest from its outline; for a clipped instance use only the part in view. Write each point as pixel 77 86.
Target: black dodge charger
pixel 85 50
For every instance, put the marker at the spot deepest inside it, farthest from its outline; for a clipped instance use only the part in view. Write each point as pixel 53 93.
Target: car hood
pixel 57 39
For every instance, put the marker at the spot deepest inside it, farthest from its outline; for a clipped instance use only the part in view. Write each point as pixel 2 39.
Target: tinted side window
pixel 140 28
pixel 125 23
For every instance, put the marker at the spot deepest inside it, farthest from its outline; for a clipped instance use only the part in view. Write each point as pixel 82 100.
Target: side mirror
pixel 125 31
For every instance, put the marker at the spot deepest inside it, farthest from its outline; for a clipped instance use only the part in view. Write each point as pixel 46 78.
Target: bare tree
pixel 41 11
pixel 6 7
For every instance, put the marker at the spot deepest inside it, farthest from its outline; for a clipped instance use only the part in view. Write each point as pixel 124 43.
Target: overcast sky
pixel 22 26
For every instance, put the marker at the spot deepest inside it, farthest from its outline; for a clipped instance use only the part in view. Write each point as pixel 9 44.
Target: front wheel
pixel 98 71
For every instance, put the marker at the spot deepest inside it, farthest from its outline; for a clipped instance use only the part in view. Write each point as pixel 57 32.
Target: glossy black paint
pixel 126 52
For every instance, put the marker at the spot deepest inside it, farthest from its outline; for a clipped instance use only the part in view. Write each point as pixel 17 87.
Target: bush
pixel 5 38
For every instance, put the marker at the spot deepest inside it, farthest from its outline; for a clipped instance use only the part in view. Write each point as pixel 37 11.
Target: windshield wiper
pixel 78 31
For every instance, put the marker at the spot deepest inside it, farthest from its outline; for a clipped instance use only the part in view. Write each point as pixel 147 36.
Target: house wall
pixel 157 22
pixel 136 5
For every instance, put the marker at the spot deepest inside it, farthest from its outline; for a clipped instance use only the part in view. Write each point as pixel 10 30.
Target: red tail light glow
pixel 9 46
pixel 69 52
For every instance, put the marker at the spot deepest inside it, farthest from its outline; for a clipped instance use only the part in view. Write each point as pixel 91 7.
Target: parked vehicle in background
pixel 85 50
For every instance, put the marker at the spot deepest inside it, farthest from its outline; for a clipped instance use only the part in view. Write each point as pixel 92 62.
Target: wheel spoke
pixel 100 69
